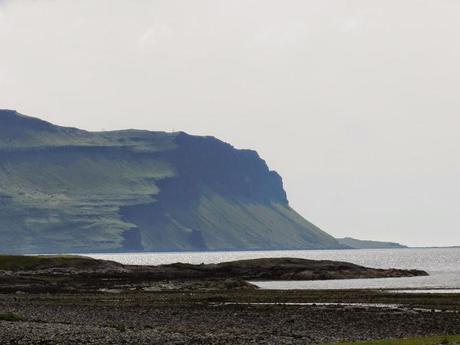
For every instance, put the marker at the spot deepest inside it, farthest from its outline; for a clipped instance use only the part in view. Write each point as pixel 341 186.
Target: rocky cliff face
pixel 68 190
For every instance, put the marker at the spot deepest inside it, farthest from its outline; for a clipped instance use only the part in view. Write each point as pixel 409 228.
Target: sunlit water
pixel 443 265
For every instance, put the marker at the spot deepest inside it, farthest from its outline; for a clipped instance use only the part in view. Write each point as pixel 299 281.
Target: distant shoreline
pixel 227 251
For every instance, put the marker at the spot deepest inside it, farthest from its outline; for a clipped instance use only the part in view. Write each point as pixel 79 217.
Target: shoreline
pixel 203 317
pixel 78 300
pixel 37 274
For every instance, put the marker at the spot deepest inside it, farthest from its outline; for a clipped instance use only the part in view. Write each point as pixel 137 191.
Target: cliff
pixel 68 190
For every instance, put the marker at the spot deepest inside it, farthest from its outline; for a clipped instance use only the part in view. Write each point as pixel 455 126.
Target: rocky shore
pixel 77 300
pixel 211 318
pixel 81 274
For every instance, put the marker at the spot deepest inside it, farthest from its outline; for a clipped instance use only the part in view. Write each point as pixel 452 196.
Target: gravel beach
pixel 159 318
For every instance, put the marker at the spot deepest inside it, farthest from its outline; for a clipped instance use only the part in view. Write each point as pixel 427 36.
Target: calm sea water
pixel 443 264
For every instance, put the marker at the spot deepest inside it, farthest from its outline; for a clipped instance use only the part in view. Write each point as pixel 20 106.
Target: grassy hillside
pixel 68 190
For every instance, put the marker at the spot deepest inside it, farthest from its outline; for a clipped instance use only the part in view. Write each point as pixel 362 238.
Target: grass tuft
pixel 433 340
pixel 10 317
pixel 24 262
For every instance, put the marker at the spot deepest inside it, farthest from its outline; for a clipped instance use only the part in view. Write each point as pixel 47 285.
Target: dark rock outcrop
pixel 48 274
pixel 282 269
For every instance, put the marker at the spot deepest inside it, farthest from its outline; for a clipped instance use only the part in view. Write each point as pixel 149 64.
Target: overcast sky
pixel 354 102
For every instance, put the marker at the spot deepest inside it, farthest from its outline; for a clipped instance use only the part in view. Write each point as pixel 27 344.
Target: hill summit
pixel 69 190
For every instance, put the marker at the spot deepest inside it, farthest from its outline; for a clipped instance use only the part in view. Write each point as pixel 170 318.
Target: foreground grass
pixel 19 262
pixel 10 317
pixel 434 340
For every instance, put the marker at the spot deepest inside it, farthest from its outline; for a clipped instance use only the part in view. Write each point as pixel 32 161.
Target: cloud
pixel 351 24
pixel 153 35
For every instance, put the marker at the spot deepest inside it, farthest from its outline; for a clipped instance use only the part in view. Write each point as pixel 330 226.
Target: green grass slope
pixel 68 190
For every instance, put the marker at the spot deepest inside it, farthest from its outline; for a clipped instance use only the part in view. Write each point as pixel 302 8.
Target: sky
pixel 355 103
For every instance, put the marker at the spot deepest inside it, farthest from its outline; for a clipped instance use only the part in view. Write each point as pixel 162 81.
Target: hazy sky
pixel 354 102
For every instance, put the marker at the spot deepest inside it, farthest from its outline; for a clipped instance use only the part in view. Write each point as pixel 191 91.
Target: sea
pixel 442 264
